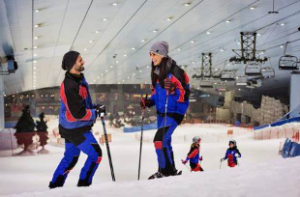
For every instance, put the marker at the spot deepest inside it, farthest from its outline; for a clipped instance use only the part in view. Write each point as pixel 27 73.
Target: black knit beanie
pixel 69 60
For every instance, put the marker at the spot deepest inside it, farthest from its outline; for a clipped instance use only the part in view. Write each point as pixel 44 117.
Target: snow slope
pixel 261 171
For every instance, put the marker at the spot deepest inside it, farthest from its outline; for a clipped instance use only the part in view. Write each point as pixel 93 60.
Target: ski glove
pixel 168 85
pixel 200 158
pixel 144 102
pixel 237 155
pixel 100 109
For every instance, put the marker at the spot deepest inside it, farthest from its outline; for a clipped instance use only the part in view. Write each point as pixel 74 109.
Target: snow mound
pixel 280 177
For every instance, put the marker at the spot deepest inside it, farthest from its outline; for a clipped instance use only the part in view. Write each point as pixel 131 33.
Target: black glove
pixel 168 85
pixel 100 109
pixel 144 102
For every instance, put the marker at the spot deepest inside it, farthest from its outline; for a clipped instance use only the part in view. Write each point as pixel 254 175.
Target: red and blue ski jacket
pixel 77 110
pixel 194 154
pixel 178 100
pixel 231 156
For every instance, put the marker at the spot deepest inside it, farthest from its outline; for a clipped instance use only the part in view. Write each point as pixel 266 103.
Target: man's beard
pixel 80 68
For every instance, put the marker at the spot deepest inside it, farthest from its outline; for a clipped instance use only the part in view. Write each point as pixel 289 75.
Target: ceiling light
pixel 193 62
pixel 169 18
pixel 34 68
pixel 36 37
pixel 101 74
pixel 133 48
pixel 228 21
pixel 35 47
pixel 140 71
pixel 34 61
pixel 123 80
pixel 221 49
pixel 178 49
pixel 155 31
pixel 85 49
pixel 106 71
pixel 192 41
pixel 208 33
pixel 187 4
pixel 128 77
pixel 281 46
pixel 111 66
pixel 239 89
pixel 117 61
pixel 125 55
pixel 98 77
pixel 282 24
pixel 115 4
pixel 97 31
pixel 91 41
pixel 143 40
pixel 104 19
pixel 148 67
pixel 258 35
pixel 36 10
pixel 252 8
pixel 37 25
pixel 35 55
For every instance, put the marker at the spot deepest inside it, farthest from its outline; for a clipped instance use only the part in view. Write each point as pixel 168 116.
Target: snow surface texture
pixel 262 172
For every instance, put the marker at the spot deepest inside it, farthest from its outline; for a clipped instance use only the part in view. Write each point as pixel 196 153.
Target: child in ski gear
pixel 76 119
pixel 194 155
pixel 170 96
pixel 232 154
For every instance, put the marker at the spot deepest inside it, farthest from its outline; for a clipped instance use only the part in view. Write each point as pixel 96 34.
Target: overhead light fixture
pixel 117 61
pixel 148 66
pixel 239 89
pixel 252 8
pixel 221 49
pixel 192 41
pixel 36 37
pixel 187 4
pixel 258 35
pixel 85 49
pixel 37 25
pixel 111 66
pixel 125 55
pixel 208 33
pixel 155 31
pixel 91 41
pixel 169 18
pixel 241 84
pixel 34 68
pixel 140 71
pixel 281 46
pixel 193 62
pixel 228 21
pixel 133 48
pixel 178 49
pixel 98 77
pixel 97 31
pixel 282 24
pixel 115 4
pixel 35 55
pixel 104 19
pixel 143 40
pixel 37 10
pixel 35 47
pixel 34 61
pixel 106 71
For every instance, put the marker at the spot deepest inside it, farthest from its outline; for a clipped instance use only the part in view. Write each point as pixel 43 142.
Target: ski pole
pixel 141 140
pixel 107 147
pixel 186 165
pixel 221 164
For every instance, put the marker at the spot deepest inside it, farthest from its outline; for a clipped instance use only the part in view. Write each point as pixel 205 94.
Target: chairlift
pixel 268 72
pixel 253 70
pixel 221 87
pixel 288 62
pixel 241 81
pixel 206 83
pixel 228 75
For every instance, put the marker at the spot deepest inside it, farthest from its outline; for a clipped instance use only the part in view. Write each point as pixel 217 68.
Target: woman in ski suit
pixel 170 95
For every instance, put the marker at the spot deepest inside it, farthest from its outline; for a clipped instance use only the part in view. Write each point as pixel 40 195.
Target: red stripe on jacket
pixel 178 85
pixel 193 154
pixel 69 115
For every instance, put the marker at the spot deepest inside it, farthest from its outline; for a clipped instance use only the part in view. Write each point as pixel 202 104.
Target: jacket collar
pixel 77 78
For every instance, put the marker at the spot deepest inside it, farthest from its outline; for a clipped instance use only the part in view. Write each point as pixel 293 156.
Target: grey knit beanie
pixel 161 48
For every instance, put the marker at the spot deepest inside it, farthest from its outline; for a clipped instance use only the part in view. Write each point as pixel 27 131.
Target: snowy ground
pixel 262 172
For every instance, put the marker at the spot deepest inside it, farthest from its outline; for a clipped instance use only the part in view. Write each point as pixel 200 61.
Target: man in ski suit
pixel 77 116
pixel 232 154
pixel 170 95
pixel 194 155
